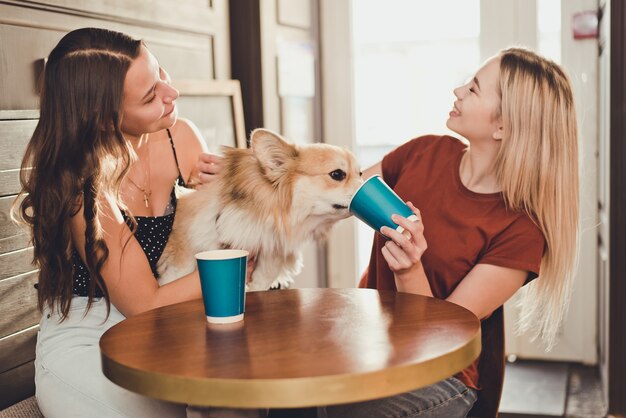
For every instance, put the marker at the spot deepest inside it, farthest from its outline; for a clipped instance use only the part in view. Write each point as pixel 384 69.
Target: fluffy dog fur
pixel 269 200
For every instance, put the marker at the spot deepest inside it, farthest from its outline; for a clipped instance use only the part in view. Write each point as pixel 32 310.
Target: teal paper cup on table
pixel 374 203
pixel 223 281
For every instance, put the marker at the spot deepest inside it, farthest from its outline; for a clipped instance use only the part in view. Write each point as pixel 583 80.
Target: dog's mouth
pixel 339 207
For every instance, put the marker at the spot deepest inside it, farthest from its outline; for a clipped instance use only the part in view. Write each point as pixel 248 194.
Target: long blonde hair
pixel 537 167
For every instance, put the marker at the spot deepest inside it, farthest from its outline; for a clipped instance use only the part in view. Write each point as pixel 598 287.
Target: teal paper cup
pixel 374 203
pixel 223 281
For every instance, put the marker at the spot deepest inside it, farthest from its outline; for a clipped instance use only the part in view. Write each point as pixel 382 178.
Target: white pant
pixel 68 375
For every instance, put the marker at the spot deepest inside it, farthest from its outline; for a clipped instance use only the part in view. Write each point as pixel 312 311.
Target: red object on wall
pixel 585 25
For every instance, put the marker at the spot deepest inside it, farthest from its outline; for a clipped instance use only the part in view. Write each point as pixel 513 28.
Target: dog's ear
pixel 274 153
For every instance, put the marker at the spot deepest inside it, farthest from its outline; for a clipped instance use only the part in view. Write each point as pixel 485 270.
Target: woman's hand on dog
pixel 403 252
pixel 208 166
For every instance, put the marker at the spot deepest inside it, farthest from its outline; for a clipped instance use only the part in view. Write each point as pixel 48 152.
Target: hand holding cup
pixel 375 202
pixel 403 252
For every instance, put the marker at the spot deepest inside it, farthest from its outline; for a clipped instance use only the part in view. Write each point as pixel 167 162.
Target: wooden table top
pixel 295 348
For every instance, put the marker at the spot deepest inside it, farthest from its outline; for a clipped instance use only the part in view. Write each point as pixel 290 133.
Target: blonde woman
pixel 494 215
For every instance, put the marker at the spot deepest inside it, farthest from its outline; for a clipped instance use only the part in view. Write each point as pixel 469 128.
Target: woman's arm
pixel 484 289
pixel 373 170
pixel 132 286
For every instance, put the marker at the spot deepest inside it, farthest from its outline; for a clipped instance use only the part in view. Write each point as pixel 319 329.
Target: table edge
pixel 292 392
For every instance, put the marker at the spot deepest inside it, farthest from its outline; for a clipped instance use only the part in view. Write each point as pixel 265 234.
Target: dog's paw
pixel 171 274
pixel 281 283
pixel 256 285
pixel 165 279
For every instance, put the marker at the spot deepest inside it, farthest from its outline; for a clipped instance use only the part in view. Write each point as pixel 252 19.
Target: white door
pixel 388 70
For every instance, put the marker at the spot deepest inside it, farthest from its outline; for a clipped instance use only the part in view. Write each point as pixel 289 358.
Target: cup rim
pixel 226 254
pixel 359 189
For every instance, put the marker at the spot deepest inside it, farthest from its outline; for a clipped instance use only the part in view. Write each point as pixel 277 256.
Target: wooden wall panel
pixel 12 236
pixel 18 309
pixel 18 348
pixel 14 135
pixel 189 57
pixel 187 15
pixel 29 34
pixel 9 182
pixel 15 263
pixel 14 242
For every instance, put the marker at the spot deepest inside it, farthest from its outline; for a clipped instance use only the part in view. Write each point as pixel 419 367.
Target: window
pixel 549 29
pixel 408 57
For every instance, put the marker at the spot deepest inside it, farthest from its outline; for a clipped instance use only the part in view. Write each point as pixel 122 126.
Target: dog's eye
pixel 337 175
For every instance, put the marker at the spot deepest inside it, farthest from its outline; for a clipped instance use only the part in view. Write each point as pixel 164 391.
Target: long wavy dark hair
pixel 76 154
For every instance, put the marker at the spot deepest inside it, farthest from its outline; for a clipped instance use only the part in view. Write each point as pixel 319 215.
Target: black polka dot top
pixel 152 233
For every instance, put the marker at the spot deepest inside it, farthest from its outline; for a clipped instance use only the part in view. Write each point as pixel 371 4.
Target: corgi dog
pixel 268 199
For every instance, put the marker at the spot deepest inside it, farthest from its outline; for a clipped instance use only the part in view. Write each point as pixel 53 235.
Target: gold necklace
pixel 146 190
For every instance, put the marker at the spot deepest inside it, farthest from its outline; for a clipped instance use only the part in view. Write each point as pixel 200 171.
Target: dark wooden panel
pixel 16 262
pixel 17 384
pixel 18 309
pixel 245 53
pixel 18 348
pixel 617 246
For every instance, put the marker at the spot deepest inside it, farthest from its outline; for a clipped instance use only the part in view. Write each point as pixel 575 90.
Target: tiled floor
pixel 541 389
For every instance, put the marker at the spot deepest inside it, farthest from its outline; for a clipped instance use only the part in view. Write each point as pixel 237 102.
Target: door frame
pixel 338 126
pixel 617 212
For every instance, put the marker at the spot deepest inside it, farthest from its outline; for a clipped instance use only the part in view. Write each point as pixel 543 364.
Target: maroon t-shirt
pixel 462 229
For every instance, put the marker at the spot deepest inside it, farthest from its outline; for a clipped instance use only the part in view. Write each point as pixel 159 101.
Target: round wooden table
pixel 295 348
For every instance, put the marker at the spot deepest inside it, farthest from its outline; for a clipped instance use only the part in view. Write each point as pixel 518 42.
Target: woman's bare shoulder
pixel 189 145
pixel 187 134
